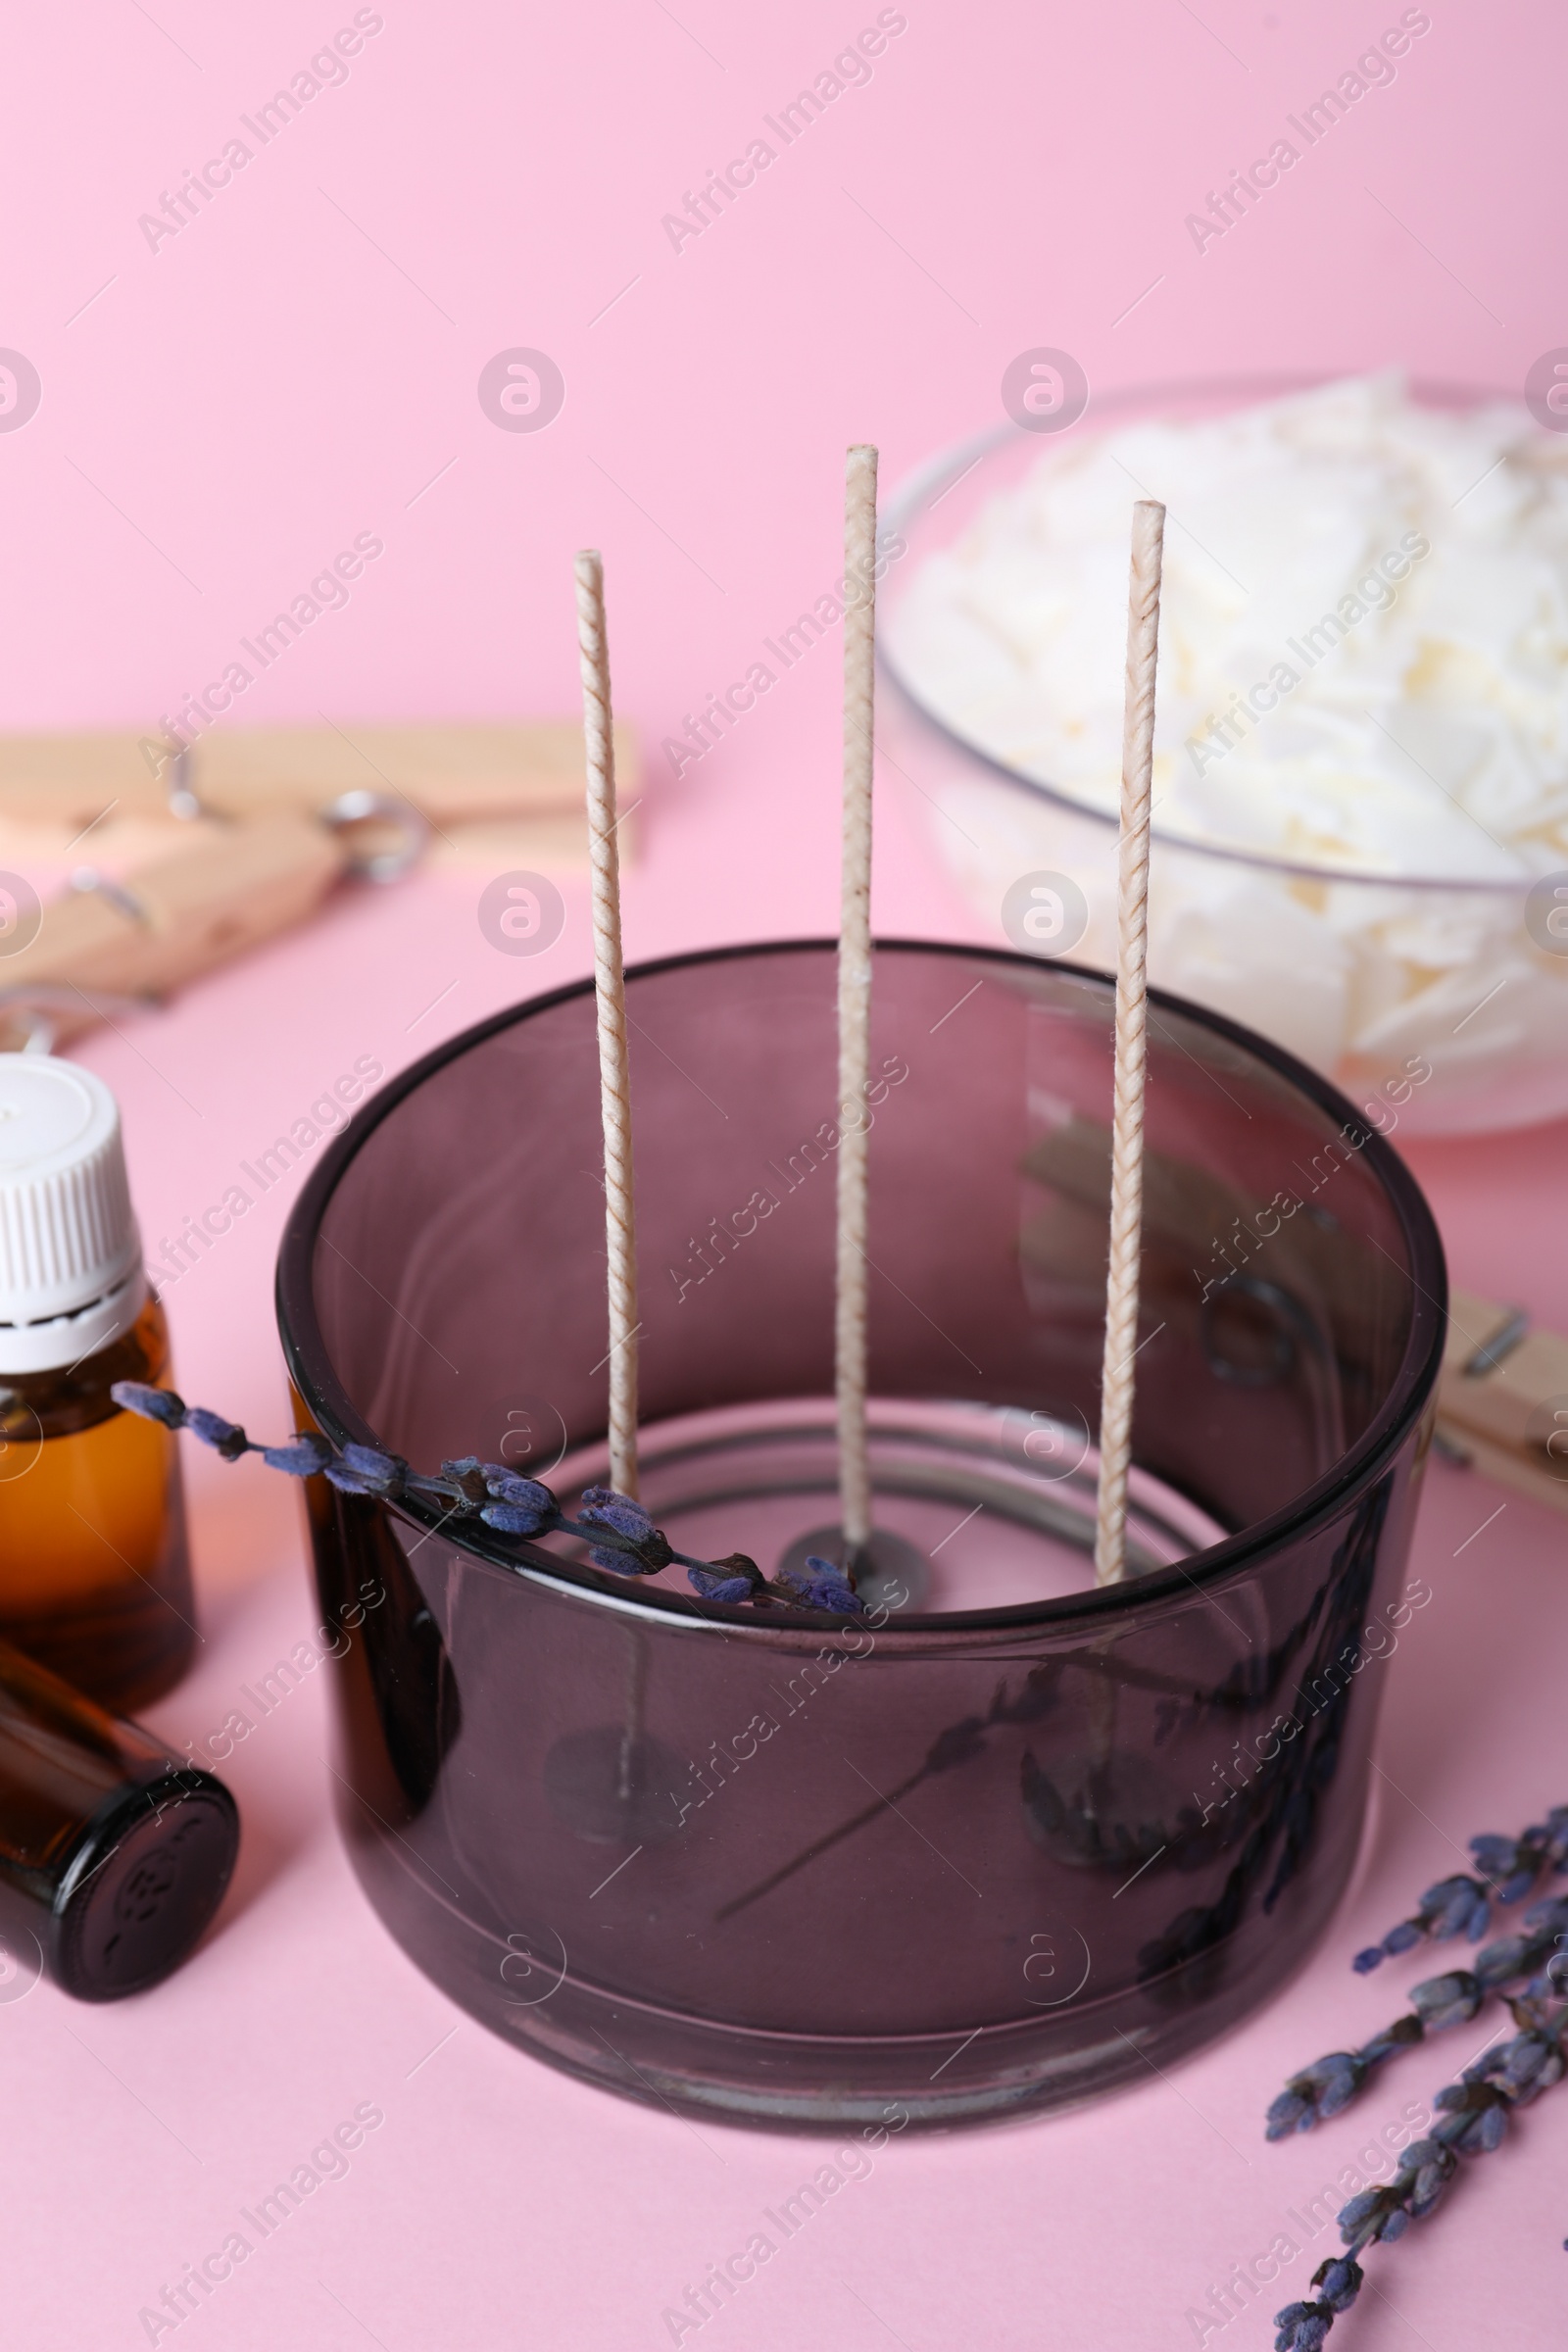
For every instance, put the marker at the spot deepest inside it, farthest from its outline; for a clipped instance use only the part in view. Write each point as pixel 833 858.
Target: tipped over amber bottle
pixel 94 1574
pixel 113 1852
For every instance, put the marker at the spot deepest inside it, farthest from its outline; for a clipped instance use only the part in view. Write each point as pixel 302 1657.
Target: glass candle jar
pixel 1012 1838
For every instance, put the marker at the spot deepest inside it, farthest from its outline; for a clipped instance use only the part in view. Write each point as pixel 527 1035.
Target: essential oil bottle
pixel 113 1851
pixel 94 1573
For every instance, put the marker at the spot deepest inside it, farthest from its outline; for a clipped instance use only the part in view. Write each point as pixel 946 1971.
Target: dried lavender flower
pixel 224 1437
pixel 1303 2327
pixel 624 1537
pixel 1544 1924
pixel 1461 1907
pixel 1450 2001
pixel 601 1506
pixel 520 1506
pixel 306 1458
pixel 1315 2093
pixel 507 1486
pixel 1514 1864
pixel 1457 1906
pixel 1338 2281
pixel 1322 2090
pixel 153 1404
pixel 1475 2118
pixel 1523 2068
pixel 1474 2112
pixel 366 1470
pixel 519 1518
pixel 819 1584
pixel 735 1579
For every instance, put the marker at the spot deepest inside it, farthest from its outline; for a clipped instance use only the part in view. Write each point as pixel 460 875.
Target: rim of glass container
pixel 920 490
pixel 311 1368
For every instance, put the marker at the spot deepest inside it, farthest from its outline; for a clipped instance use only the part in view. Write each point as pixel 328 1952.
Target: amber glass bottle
pixel 94 1575
pixel 113 1853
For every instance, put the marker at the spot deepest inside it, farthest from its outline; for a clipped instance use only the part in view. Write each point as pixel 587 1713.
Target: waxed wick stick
pixel 610 996
pixel 1127 1127
pixel 854 997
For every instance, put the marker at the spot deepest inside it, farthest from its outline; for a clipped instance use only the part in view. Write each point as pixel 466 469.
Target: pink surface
pixel 298 365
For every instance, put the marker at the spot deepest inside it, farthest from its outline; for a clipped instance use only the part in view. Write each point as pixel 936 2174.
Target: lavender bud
pixel 517 1518
pixel 1338 2091
pixel 1375 2212
pixel 1290 2112
pixel 153 1404
pixel 522 1506
pixel 1507 1957
pixel 624 1563
pixel 1444 2001
pixel 1475 2119
pixel 383 1472
pixel 347 1481
pixel 527 1492
pixel 1338 2281
pixel 224 1437
pixel 818 1584
pixel 306 1458
pixel 1316 2092
pixel 601 1506
pixel 712 1583
pixel 1425 2171
pixel 366 1470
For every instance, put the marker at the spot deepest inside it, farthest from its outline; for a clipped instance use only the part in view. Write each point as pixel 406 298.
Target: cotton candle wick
pixel 609 997
pixel 1127 1127
pixel 854 997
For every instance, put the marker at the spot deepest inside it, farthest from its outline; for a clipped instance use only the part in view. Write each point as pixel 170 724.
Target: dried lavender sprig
pixel 1476 2111
pixel 1461 1907
pixel 1456 1906
pixel 1323 2088
pixel 1514 1864
pixel 1329 2083
pixel 1303 2326
pixel 620 1534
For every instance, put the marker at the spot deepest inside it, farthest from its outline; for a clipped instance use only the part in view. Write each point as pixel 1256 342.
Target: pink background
pixel 222 416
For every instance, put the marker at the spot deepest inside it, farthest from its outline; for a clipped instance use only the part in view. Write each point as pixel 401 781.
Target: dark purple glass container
pixel 1018 1839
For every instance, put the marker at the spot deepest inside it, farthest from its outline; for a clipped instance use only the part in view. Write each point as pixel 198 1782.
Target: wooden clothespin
pixel 253 828
pixel 170 921
pixel 452 775
pixel 1502 1402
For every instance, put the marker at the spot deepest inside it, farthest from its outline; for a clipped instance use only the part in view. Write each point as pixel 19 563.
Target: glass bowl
pixel 1453 992
pixel 1012 1838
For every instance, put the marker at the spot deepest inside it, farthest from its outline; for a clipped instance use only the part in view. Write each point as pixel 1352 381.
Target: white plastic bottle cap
pixel 71 1263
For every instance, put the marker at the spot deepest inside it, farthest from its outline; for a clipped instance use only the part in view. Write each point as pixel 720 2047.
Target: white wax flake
pixel 1363 684
pixel 1300 612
